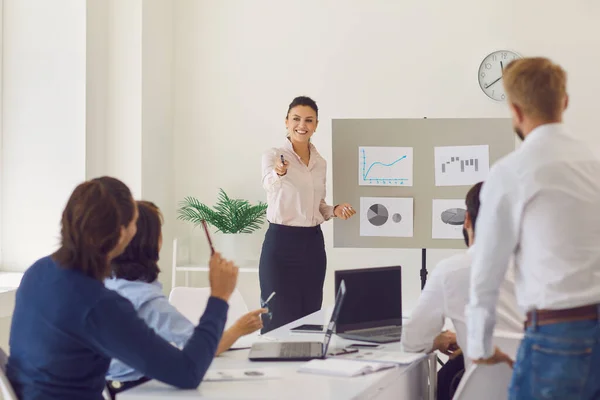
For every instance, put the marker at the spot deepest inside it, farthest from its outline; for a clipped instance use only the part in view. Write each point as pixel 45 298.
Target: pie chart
pixel 453 216
pixel 377 214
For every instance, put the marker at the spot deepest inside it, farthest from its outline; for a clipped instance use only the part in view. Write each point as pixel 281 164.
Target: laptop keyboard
pixel 392 331
pixel 290 350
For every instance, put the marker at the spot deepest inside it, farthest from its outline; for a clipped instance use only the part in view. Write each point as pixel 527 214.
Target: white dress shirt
pixel 445 295
pixel 298 197
pixel 541 204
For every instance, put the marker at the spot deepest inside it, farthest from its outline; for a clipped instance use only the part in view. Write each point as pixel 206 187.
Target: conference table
pixel 411 382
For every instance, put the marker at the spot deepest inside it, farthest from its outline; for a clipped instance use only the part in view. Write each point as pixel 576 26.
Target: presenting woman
pixel 293 259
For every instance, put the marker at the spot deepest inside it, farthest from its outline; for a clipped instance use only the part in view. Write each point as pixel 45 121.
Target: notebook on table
pixel 344 368
pixel 389 357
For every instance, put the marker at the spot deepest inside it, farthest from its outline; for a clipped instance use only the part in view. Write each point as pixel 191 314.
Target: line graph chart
pixel 385 166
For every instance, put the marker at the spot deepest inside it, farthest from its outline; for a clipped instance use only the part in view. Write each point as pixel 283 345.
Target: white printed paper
pixel 247 374
pixel 396 357
pixel 447 219
pixel 385 166
pixel 386 216
pixel 461 165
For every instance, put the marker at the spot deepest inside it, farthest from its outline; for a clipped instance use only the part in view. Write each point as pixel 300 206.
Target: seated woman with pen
pixel 67 326
pixel 135 274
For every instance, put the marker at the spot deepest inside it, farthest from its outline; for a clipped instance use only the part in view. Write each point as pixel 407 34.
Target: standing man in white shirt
pixel 541 204
pixel 293 260
pixel 445 295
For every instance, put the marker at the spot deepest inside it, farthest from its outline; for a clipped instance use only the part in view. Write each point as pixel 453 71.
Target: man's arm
pixel 427 318
pixel 497 232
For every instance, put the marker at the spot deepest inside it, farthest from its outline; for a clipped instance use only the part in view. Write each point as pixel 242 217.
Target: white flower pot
pixel 234 246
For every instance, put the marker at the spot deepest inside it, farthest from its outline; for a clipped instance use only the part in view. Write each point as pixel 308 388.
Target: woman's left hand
pixel 344 211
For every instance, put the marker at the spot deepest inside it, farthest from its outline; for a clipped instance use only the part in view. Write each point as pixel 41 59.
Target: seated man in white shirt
pixel 445 295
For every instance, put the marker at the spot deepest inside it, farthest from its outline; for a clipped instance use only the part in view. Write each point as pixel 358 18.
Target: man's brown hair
pixel 537 86
pixel 91 225
pixel 139 261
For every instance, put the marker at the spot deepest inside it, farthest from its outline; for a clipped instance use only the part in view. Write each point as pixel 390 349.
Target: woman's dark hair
pixel 303 101
pixel 91 225
pixel 139 260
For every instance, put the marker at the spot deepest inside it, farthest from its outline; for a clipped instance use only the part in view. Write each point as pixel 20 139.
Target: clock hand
pixel 493 82
pixel 501 66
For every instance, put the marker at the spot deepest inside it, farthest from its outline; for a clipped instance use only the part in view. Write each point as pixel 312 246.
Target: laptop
pixel 373 307
pixel 300 351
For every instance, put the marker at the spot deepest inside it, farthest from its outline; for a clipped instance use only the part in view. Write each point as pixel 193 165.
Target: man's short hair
pixel 537 86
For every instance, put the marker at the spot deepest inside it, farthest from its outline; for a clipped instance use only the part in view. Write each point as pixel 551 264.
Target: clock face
pixel 490 73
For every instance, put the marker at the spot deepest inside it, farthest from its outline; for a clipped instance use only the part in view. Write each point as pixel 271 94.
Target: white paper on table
pixel 447 218
pixel 386 216
pixel 247 374
pixel 395 357
pixel 341 367
pixel 461 165
pixel 385 166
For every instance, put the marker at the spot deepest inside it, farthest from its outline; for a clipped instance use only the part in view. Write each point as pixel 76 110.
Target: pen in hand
pixel 268 299
pixel 281 169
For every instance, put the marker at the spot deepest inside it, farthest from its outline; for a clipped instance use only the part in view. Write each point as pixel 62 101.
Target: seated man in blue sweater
pixel 135 274
pixel 67 326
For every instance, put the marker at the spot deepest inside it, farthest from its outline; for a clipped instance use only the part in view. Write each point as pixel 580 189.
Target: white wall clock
pixel 490 73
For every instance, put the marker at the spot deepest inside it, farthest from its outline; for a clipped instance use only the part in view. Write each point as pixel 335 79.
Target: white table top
pixel 292 385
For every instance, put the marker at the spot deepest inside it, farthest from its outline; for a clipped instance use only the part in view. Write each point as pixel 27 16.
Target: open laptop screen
pixel 339 300
pixel 374 298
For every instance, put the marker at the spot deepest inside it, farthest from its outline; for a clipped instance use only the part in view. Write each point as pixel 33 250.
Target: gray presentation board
pixel 423 135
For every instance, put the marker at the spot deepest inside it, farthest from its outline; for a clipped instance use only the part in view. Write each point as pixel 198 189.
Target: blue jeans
pixel 558 361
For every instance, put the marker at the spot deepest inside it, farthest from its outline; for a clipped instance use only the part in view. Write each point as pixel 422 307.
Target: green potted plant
pixel 230 217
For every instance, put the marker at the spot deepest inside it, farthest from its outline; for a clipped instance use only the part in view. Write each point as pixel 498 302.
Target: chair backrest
pixel 3 360
pixel 488 382
pixel 6 389
pixel 191 302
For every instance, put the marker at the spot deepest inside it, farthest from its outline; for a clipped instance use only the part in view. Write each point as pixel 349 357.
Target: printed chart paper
pixel 447 219
pixel 385 166
pixel 461 165
pixel 250 374
pixel 386 216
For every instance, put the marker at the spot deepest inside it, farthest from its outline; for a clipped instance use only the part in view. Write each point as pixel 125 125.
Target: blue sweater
pixel 66 327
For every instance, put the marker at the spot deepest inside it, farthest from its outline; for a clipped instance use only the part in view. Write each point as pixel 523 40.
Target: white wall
pixel 124 119
pixel 43 129
pixel 129 101
pixel 157 119
pixel 239 64
pixel 97 83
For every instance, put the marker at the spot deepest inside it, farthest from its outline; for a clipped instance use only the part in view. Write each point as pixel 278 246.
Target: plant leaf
pixel 227 216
